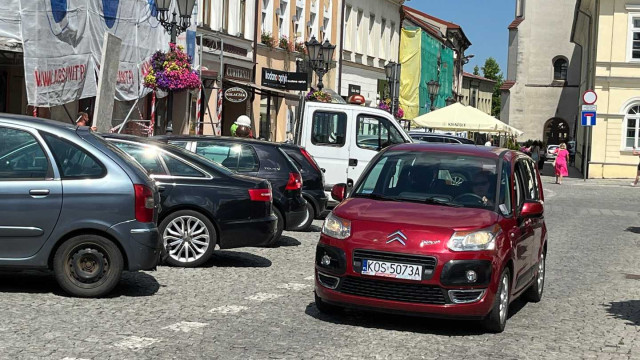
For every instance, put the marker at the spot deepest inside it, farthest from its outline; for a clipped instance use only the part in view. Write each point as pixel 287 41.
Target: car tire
pixel 534 293
pixel 326 308
pixel 311 215
pixel 199 238
pixel 279 227
pixel 88 266
pixel 497 318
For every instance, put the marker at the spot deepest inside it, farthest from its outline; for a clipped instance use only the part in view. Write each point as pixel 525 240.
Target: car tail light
pixel 309 158
pixel 144 204
pixel 260 194
pixel 295 181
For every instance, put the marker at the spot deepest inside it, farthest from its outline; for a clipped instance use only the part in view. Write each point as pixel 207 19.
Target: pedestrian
pixel 242 127
pixel 83 120
pixel 489 142
pixel 571 147
pixel 535 152
pixel 636 153
pixel 560 164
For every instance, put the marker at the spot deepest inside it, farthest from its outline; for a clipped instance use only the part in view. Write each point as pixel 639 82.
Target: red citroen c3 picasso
pixel 437 230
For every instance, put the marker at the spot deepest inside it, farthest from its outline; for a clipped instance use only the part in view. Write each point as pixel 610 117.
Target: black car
pixel 439 138
pixel 202 203
pixel 260 159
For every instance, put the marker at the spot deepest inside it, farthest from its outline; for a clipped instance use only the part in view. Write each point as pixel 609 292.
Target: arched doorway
pixel 556 131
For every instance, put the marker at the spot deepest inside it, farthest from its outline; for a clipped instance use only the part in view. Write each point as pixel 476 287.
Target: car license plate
pixel 391 270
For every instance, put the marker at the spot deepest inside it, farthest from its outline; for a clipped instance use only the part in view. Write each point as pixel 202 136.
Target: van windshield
pixel 432 178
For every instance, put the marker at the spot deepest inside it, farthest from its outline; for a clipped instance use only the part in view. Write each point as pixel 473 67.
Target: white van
pixel 343 138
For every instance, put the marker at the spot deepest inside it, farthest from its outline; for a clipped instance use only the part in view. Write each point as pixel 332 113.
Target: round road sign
pixel 589 97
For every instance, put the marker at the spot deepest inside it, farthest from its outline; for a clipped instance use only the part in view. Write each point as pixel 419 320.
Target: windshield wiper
pixel 376 197
pixel 435 201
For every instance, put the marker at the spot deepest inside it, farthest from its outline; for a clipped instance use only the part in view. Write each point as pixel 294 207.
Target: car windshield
pixel 444 179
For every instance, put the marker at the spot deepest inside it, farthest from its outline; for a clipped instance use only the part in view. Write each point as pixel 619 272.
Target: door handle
pixel 353 162
pixel 39 192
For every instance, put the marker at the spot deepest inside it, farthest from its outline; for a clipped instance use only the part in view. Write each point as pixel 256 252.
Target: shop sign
pixel 284 80
pixel 237 73
pixel 236 94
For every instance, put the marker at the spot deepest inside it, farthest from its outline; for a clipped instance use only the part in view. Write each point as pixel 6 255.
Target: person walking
pixel 561 163
pixel 636 153
pixel 535 153
pixel 571 147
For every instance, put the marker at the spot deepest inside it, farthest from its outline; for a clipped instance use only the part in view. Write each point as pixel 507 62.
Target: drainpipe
pixel 344 6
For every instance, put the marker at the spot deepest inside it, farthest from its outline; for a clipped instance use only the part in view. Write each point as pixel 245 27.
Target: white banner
pixel 62 42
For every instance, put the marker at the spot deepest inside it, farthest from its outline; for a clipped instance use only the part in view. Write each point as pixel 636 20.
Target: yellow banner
pixel 410 74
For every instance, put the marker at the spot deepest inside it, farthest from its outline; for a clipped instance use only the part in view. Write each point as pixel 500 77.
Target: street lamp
pixel 433 87
pixel 320 56
pixel 185 8
pixel 450 101
pixel 392 71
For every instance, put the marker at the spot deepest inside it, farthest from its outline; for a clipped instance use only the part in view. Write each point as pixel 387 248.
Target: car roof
pixel 42 124
pixel 432 134
pixel 461 149
pixel 222 138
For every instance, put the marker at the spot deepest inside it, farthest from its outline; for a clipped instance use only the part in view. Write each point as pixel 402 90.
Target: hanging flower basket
pixel 171 71
pixel 319 96
pixel 386 106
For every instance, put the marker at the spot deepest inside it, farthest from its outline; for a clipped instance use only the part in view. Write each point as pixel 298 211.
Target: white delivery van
pixel 343 138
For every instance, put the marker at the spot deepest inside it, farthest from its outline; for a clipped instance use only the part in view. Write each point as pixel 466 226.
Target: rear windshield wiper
pixel 435 201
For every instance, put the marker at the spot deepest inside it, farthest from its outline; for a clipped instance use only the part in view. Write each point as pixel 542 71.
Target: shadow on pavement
pixel 625 310
pixel 633 229
pixel 222 258
pixel 134 284
pixel 314 228
pixel 286 241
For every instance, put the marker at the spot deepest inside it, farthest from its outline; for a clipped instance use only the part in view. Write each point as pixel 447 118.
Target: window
pixel 383 34
pixel 267 16
pixel 371 36
pixel 524 170
pixel 474 97
pixel 311 26
pixel 21 156
pixel 73 161
pixel 225 16
pixel 376 133
pixel 147 156
pixel 326 28
pixel 632 122
pixel 519 187
pixel 329 129
pixel 283 26
pixel 300 20
pixel 241 16
pixel 505 189
pixel 633 52
pixel 237 157
pixel 358 32
pixel 182 144
pixel 560 69
pixel 178 168
pixel 347 28
pixel 206 13
pixel 391 42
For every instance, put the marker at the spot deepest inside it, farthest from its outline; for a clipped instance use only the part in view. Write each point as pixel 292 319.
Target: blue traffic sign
pixel 588 118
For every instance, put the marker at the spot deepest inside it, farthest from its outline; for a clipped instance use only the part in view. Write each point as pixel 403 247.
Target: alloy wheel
pixel 186 239
pixel 541 274
pixel 504 299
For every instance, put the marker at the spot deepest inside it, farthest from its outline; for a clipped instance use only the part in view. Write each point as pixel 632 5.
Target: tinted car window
pixel 182 144
pixel 241 158
pixel 145 156
pixel 375 133
pixel 73 161
pixel 505 189
pixel 329 128
pixel 432 139
pixel 21 156
pixel 179 168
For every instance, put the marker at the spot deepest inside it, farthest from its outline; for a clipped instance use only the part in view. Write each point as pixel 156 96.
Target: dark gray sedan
pixel 73 203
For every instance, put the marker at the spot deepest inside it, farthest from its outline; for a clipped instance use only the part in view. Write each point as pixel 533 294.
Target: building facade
pixel 477 91
pixel 608 32
pixel 371 40
pixel 540 92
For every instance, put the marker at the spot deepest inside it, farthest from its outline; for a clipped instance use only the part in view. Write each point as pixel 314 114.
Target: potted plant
pixel 171 71
pixel 267 39
pixel 319 96
pixel 299 47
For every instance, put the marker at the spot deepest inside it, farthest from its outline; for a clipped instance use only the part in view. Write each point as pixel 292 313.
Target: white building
pixel 540 92
pixel 371 40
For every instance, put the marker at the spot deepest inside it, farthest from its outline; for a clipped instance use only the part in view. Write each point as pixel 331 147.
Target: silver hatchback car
pixel 75 204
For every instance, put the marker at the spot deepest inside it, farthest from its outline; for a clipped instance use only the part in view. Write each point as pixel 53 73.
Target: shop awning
pixel 458 117
pixel 264 90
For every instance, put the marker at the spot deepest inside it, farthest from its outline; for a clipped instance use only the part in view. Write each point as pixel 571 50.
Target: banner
pixel 62 44
pixel 409 57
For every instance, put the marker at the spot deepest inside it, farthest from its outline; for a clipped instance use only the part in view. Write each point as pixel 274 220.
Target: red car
pixel 409 240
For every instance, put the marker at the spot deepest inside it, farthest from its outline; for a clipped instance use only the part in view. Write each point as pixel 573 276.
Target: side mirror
pixel 532 209
pixel 339 192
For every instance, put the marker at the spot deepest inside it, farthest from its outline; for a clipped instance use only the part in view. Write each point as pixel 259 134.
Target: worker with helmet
pixel 242 127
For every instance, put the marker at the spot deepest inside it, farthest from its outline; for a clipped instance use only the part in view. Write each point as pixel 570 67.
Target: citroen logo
pixel 397 236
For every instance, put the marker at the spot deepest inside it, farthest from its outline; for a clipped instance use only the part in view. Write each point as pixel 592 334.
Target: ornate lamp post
pixel 433 87
pixel 392 71
pixel 320 56
pixel 185 8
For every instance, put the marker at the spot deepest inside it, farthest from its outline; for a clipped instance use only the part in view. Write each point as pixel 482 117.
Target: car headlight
pixel 336 227
pixel 473 240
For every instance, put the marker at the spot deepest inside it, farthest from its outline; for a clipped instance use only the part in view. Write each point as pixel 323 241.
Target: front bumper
pixel 437 295
pixel 247 233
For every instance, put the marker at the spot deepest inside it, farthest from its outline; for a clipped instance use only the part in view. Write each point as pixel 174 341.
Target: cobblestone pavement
pixel 258 303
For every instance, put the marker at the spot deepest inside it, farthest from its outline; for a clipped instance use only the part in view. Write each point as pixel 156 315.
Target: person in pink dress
pixel 561 163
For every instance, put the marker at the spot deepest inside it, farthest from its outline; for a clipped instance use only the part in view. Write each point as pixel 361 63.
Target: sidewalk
pixel 575 178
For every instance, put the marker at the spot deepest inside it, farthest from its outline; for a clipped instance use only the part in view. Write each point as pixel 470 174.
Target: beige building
pixel 608 31
pixel 540 92
pixel 477 91
pixel 274 111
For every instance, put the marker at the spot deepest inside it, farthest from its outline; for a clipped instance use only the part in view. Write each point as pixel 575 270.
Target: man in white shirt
pixel 488 143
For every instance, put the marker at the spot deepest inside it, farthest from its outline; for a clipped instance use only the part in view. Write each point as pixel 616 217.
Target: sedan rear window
pixel 434 178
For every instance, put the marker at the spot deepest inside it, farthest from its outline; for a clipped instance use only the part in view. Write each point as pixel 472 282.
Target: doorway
pixel 556 131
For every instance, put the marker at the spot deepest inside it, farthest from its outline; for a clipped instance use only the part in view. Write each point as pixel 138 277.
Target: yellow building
pixel 477 91
pixel 608 32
